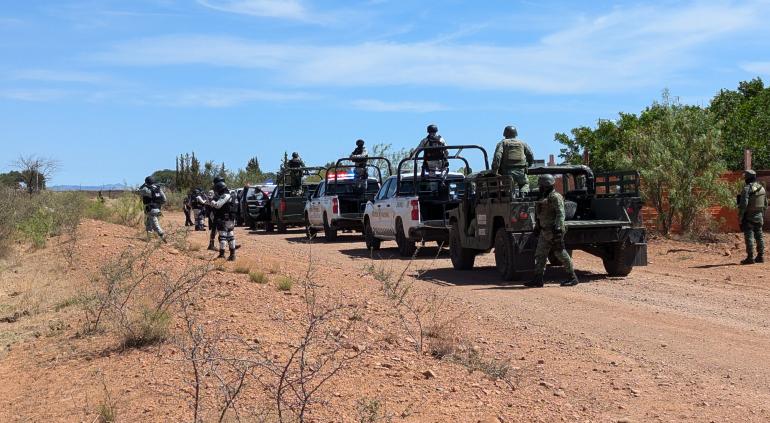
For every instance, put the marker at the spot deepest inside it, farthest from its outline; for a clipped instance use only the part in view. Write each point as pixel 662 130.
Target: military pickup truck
pixel 286 207
pixel 603 218
pixel 338 203
pixel 413 205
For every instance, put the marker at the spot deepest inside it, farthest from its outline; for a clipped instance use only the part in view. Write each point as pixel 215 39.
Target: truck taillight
pixel 630 211
pixel 415 209
pixel 283 205
pixel 335 206
pixel 523 215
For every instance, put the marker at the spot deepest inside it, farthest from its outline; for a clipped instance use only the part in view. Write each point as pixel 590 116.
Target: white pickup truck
pixel 339 201
pixel 409 213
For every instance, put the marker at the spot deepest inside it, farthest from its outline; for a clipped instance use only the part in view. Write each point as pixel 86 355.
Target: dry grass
pixel 258 277
pixel 284 283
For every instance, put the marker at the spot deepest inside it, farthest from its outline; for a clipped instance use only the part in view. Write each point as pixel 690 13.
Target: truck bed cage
pixel 353 165
pixel 306 171
pixel 416 156
pixel 618 184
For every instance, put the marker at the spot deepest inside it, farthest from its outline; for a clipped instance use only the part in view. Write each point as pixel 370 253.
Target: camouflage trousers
pixel 752 232
pixel 520 180
pixel 152 223
pixel 547 243
pixel 226 229
pixel 199 218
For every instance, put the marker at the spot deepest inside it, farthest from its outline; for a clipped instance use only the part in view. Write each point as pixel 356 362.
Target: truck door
pixel 389 209
pixel 378 207
pixel 314 209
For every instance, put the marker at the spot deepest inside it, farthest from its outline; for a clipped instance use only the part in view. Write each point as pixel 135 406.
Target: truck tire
pixel 330 234
pixel 462 258
pixel 406 248
pixel 616 265
pixel 504 255
pixel 269 227
pixel 372 243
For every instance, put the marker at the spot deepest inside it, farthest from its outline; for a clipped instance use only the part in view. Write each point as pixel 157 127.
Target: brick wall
pixel 727 215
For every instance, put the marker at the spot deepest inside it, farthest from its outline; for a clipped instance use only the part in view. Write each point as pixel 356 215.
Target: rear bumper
pixel 429 233
pixel 348 222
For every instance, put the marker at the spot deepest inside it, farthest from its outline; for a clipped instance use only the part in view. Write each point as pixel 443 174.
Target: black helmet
pixel 149 180
pixel 546 181
pixel 432 129
pixel 749 175
pixel 510 132
pixel 360 143
pixel 294 155
pixel 218 179
pixel 220 187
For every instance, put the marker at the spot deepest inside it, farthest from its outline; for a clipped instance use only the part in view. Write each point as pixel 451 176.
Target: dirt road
pixel 687 337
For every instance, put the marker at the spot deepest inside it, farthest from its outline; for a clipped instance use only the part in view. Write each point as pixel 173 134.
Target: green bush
pixel 128 210
pixel 151 327
pixel 97 210
pixel 37 227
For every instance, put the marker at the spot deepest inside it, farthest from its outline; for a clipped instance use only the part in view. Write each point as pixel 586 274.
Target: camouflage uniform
pixel 512 158
pixel 751 209
pixel 153 198
pixel 359 158
pixel 295 174
pixel 550 214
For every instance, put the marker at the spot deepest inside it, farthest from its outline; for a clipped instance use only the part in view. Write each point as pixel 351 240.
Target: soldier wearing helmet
pixel 223 208
pixel 295 166
pixel 359 157
pixel 512 158
pixel 752 203
pixel 434 161
pixel 550 228
pixel 208 211
pixel 153 199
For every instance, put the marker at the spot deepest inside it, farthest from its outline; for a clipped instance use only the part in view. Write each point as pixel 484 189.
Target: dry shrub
pixel 284 283
pixel 258 277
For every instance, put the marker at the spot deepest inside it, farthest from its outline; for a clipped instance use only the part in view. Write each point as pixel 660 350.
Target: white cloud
pixel 34 94
pixel 617 51
pixel 398 106
pixel 49 75
pixel 217 98
pixel 758 68
pixel 289 9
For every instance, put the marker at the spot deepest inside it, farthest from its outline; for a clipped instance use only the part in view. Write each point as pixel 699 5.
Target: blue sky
pixel 116 89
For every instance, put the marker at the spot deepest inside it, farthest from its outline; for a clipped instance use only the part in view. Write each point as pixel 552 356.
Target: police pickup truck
pixel 603 218
pixel 338 202
pixel 412 206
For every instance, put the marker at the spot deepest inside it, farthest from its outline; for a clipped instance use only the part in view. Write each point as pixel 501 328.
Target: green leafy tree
pixel 12 179
pixel 743 116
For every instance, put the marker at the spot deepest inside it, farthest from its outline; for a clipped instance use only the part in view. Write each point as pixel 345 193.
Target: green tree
pixel 678 154
pixel 12 179
pixel 743 116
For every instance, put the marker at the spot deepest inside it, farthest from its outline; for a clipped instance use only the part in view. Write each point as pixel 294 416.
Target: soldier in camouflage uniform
pixel 550 230
pixel 153 199
pixel 295 173
pixel 752 204
pixel 512 158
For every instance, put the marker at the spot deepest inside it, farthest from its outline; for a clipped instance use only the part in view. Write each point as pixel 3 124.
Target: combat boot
pixel 760 258
pixel 211 246
pixel 221 253
pixel 748 260
pixel 572 281
pixel 537 282
pixel 232 255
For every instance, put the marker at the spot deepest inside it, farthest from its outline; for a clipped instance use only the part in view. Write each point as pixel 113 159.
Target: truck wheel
pixel 372 243
pixel 268 226
pixel 462 258
pixel 504 255
pixel 329 233
pixel 406 248
pixel 616 264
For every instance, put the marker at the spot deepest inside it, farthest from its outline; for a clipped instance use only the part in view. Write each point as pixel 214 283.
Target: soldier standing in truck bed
pixel 550 229
pixel 512 158
pixel 752 204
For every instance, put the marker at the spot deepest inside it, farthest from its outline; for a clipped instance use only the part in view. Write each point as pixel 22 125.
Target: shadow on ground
pixel 425 253
pixel 489 276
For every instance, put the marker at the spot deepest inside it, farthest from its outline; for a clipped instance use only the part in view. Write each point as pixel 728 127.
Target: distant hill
pixel 107 187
